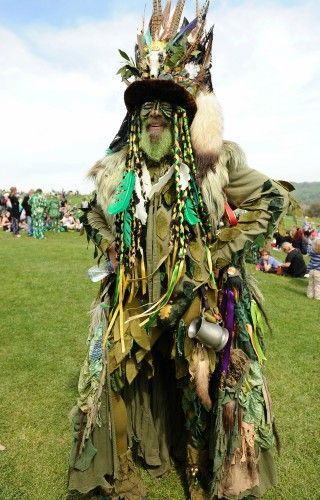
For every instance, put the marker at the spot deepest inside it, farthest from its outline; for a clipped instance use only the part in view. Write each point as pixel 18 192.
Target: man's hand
pixel 113 255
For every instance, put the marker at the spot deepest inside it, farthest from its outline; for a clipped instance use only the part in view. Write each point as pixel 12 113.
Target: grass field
pixel 45 295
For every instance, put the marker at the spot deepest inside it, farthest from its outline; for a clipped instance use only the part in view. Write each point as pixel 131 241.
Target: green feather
pixel 123 194
pixel 190 213
pixel 194 191
pixel 127 220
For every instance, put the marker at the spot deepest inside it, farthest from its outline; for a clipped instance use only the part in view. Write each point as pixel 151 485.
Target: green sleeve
pixel 264 201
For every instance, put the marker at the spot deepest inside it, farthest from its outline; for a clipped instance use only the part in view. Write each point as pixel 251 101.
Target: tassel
pixel 121 317
pixel 143 273
pixel 229 416
pixel 201 377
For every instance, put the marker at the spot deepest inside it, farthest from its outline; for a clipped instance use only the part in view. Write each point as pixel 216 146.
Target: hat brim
pixel 143 91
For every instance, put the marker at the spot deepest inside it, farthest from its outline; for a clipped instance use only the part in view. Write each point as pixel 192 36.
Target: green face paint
pixel 156 138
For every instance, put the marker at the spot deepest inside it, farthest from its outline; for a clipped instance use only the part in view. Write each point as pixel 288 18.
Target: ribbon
pixel 228 315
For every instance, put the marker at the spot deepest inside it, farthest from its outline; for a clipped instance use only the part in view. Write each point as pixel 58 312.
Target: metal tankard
pixel 211 335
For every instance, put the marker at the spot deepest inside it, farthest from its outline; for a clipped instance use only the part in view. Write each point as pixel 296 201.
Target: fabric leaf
pixel 123 194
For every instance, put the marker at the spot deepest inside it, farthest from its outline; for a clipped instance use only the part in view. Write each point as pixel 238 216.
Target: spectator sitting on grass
pixel 294 264
pixel 68 221
pixel 267 263
pixel 5 222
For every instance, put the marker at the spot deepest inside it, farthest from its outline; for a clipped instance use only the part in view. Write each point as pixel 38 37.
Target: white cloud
pixel 61 102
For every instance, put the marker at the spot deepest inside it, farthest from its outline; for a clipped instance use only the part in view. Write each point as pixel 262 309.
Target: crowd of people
pixel 37 212
pixel 297 242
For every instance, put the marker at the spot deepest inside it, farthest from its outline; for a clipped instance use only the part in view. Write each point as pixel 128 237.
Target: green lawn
pixel 45 295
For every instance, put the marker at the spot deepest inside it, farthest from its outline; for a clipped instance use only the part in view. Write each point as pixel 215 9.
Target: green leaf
pixel 124 55
pixel 123 194
pixel 127 220
pixel 190 213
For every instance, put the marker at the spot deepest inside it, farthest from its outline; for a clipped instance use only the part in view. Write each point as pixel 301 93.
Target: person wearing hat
pixel 174 364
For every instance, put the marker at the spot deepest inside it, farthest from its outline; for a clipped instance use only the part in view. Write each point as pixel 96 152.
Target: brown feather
pixel 208 55
pixel 176 19
pixel 166 15
pixel 154 20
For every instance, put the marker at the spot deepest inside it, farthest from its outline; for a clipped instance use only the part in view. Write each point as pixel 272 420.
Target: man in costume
pixel 38 205
pixel 53 209
pixel 174 364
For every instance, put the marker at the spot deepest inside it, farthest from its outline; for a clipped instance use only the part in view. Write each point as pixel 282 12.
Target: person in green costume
pixel 174 369
pixel 38 205
pixel 53 209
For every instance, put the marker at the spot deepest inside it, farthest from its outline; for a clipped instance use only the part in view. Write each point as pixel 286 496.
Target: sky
pixel 61 102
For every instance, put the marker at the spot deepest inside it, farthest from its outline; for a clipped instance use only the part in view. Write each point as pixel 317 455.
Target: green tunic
pixel 140 375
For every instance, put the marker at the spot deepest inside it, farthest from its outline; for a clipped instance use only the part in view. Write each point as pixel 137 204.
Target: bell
pixel 211 335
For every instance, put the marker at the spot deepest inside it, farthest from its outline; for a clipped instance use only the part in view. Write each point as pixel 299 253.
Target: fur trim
pixel 216 179
pixel 206 132
pixel 199 370
pixel 108 172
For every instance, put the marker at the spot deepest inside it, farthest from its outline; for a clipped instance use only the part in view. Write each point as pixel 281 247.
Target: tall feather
pixel 160 10
pixel 154 20
pixel 202 379
pixel 185 30
pixel 208 54
pixel 123 194
pixel 197 35
pixel 166 19
pixel 176 18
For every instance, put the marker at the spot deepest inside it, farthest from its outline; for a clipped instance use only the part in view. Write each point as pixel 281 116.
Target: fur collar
pixel 108 172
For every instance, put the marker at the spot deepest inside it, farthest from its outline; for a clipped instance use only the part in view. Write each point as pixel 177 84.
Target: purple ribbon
pixel 228 317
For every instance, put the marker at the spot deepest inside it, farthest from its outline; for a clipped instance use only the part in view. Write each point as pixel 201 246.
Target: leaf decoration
pixel 190 213
pixel 127 220
pixel 123 194
pixel 124 55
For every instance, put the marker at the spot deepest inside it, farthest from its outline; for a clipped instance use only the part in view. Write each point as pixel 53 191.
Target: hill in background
pixel 307 193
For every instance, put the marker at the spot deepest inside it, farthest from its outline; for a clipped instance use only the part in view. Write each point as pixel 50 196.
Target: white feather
pixel 184 176
pixel 140 212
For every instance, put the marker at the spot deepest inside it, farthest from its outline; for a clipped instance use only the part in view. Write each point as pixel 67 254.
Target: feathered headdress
pixel 173 58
